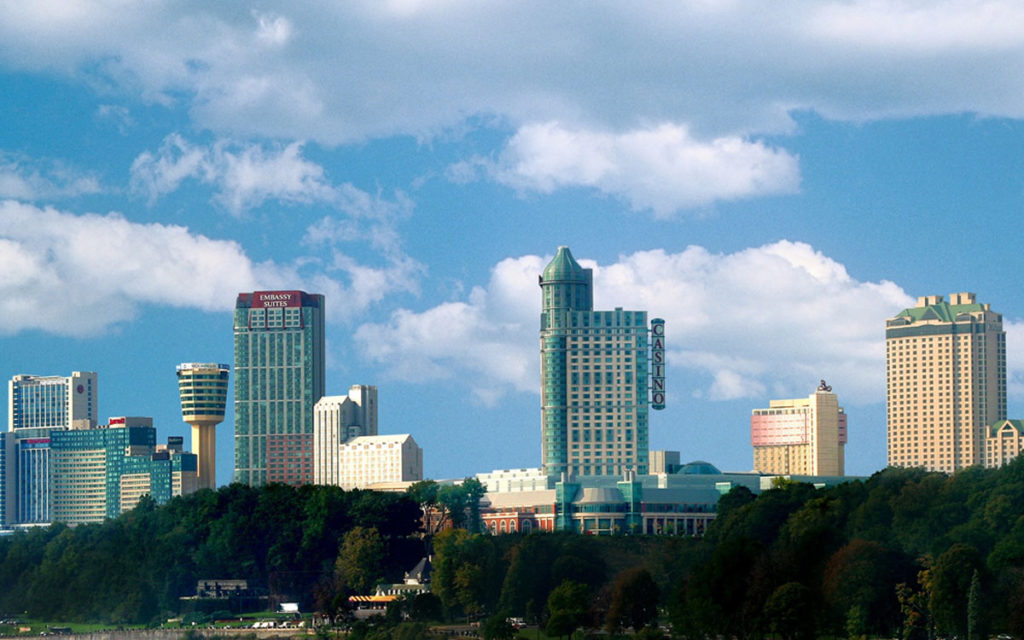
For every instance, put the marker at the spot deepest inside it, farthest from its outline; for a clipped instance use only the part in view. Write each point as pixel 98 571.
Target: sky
pixel 773 183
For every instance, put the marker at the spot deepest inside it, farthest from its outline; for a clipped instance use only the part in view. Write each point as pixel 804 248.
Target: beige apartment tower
pixel 804 436
pixel 945 381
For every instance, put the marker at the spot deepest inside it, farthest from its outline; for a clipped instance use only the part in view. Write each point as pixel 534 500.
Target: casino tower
pixel 594 377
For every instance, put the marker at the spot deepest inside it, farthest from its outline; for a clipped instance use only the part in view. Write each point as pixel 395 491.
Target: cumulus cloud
pixel 29 179
pixel 661 168
pixel 244 176
pixel 715 78
pixel 315 71
pixel 79 275
pixel 763 321
pixel 490 338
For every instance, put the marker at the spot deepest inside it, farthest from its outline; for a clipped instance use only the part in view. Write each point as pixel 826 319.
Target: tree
pixel 790 612
pixel 360 560
pixel 975 622
pixel 634 600
pixel 951 584
pixel 567 606
pixel 497 627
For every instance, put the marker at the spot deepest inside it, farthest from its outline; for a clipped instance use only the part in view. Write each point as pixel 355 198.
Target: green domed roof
pixel 564 267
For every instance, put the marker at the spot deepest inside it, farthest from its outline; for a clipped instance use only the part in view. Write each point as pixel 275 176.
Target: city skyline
pixel 774 211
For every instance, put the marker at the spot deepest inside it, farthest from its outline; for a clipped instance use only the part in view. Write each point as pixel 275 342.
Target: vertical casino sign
pixel 657 363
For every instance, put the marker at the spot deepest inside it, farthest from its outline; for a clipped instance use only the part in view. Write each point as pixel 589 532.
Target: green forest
pixel 904 554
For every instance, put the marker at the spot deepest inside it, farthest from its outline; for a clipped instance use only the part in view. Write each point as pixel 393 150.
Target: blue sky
pixel 772 184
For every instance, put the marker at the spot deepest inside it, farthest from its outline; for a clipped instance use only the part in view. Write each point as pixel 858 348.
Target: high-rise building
pixel 336 420
pixel 805 436
pixel 7 499
pixel 946 382
pixel 203 387
pixel 279 376
pixel 594 374
pixel 96 473
pixel 51 401
pixel 37 407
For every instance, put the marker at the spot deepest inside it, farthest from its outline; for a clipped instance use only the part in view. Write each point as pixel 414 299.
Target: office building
pixel 96 473
pixel 805 436
pixel 279 376
pixel 594 377
pixel 946 382
pixel 336 420
pixel 376 460
pixel 203 388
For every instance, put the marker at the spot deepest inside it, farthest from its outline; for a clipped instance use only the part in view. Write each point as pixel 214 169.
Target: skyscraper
pixel 805 436
pixel 594 370
pixel 51 401
pixel 37 407
pixel 337 420
pixel 946 382
pixel 279 376
pixel 99 472
pixel 203 388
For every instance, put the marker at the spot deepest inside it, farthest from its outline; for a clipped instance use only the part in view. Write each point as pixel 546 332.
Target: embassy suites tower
pixel 594 377
pixel 279 377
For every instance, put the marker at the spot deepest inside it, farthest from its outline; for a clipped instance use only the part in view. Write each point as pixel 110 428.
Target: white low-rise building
pixel 373 460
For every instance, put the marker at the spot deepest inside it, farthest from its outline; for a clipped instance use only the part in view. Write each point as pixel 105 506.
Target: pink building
pixel 805 436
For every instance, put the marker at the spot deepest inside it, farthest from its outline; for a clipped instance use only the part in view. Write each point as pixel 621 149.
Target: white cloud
pixel 661 168
pixel 770 320
pixel 80 275
pixel 27 179
pixel 245 176
pixel 490 339
pixel 350 71
pixel 665 105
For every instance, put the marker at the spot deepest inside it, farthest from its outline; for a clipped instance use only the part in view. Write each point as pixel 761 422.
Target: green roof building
pixel 946 382
pixel 594 374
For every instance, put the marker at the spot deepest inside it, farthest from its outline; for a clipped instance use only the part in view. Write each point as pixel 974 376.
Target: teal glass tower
pixel 279 376
pixel 594 374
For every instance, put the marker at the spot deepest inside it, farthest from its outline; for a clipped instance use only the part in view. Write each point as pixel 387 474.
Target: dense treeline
pixel 134 568
pixel 904 554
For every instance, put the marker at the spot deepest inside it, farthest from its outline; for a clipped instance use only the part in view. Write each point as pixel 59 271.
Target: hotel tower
pixel 203 388
pixel 279 376
pixel 945 380
pixel 594 377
